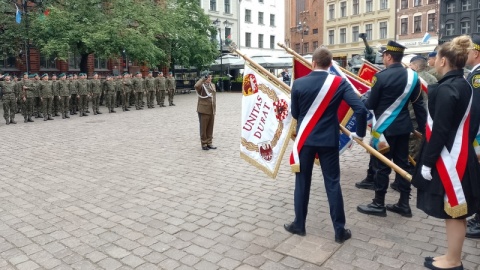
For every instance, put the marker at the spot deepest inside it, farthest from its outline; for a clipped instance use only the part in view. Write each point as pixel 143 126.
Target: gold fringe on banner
pixel 456 211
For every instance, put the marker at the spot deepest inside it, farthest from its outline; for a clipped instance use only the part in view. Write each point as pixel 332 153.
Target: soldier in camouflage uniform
pixel 96 92
pixel 30 87
pixel 109 90
pixel 56 98
pixel 82 88
pixel 138 89
pixel 150 89
pixel 46 95
pixel 72 86
pixel 63 95
pixel 37 106
pixel 161 87
pixel 9 99
pixel 119 89
pixel 20 93
pixel 127 90
pixel 171 86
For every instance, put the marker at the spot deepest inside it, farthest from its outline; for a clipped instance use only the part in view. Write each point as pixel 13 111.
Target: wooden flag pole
pixel 378 155
pixel 274 80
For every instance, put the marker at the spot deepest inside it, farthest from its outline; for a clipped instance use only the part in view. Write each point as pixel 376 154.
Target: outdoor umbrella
pixel 226 62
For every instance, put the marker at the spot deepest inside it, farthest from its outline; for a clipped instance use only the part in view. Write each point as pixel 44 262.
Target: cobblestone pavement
pixel 134 190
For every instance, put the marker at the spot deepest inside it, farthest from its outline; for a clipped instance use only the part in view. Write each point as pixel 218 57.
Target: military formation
pixel 47 96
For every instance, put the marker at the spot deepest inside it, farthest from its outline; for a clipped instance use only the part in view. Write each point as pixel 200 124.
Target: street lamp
pixel 217 24
pixel 302 27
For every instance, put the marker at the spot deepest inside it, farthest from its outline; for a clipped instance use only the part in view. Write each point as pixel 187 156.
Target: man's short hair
pixel 322 57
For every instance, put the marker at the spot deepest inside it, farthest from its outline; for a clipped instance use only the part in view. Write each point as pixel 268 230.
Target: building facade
pixel 417 25
pixel 458 17
pixel 261 27
pixel 346 19
pixel 304 25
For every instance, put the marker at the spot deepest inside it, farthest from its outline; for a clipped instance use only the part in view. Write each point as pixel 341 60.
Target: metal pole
pixel 27 57
pixel 221 59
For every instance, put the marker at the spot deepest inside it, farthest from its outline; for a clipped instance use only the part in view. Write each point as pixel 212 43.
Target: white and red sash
pixel 451 166
pixel 312 117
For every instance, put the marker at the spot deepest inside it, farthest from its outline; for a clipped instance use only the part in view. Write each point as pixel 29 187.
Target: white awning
pixel 420 49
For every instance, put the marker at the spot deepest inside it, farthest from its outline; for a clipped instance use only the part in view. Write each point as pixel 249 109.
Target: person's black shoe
pixel 473 231
pixel 30 119
pixel 373 208
pixel 429 265
pixel 87 111
pixel 347 234
pixel 291 229
pixel 7 122
pixel 429 259
pixel 401 210
pixel 25 120
pixel 474 220
pixel 211 147
pixel 50 117
pixel 113 111
pixel 12 122
pixel 66 115
pixel 127 110
pixel 365 184
pixel 394 186
pixel 205 148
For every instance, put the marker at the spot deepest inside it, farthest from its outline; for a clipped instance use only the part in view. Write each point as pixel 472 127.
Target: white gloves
pixel 354 135
pixel 427 172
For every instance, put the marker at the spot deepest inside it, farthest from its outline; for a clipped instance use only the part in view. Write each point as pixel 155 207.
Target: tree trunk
pixel 83 63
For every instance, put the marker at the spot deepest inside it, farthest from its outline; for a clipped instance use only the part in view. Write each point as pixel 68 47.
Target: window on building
pixel 403 26
pixel 368 6
pixel 315 31
pixel 272 19
pixel 466 5
pixel 8 62
pixel 260 41
pixel 417 24
pixel 450 6
pixel 248 40
pixel 248 15
pixel 478 24
pixel 73 61
pixel 227 6
pixel 449 28
pixel 355 33
pixel 431 22
pixel 101 63
pixel 228 32
pixel 383 30
pixel 297 48
pixel 305 47
pixel 331 37
pixel 272 42
pixel 331 12
pixel 315 45
pixel 260 17
pixel 404 4
pixel 383 4
pixel 213 5
pixel 368 31
pixel 417 3
pixel 343 35
pixel 47 62
pixel 343 9
pixel 465 27
pixel 356 9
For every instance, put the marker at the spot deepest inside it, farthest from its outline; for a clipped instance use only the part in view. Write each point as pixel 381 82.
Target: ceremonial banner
pixel 266 121
pixel 367 71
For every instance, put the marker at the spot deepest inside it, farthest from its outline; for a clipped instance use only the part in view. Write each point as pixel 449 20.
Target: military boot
pixel 63 115
pixel 402 207
pixel 45 118
pixel 113 111
pixel 376 207
pixel 40 115
pixel 368 182
pixel 12 121
pixel 50 117
pixel 56 114
pixel 25 119
pixel 30 119
pixel 473 227
pixel 84 113
pixel 98 112
pixel 66 115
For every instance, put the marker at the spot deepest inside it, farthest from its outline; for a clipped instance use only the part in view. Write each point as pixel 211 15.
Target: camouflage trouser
pixel 138 99
pixel 127 99
pixel 110 100
pixel 56 105
pixel 150 98
pixel 63 104
pixel 171 93
pixel 414 145
pixel 37 105
pixel 96 102
pixel 28 107
pixel 83 103
pixel 74 103
pixel 161 97
pixel 119 98
pixel 47 106
pixel 9 107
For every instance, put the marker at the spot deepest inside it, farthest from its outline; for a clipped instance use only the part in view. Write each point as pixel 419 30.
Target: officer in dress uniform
pixel 473 62
pixel 392 89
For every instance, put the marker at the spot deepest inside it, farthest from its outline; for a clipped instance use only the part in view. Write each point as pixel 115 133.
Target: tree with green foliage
pixel 12 41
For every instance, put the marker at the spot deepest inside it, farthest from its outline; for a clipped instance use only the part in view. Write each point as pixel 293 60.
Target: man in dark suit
pixel 322 140
pixel 392 90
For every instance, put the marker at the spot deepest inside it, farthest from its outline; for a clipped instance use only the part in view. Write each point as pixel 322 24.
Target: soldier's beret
pixel 44 75
pixel 138 72
pixel 31 76
pixel 150 72
pixel 6 74
pixel 432 54
pixel 125 73
pixel 95 73
pixel 15 76
pixel 25 73
pixel 70 76
pixel 61 75
pixel 418 57
pixel 54 75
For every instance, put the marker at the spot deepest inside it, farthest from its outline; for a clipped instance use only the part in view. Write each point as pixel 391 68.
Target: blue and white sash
pixel 391 113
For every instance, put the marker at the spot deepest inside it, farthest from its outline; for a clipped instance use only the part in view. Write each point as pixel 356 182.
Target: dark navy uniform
pixel 387 86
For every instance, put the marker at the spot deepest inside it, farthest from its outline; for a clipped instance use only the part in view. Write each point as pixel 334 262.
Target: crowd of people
pixel 45 96
pixel 445 167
